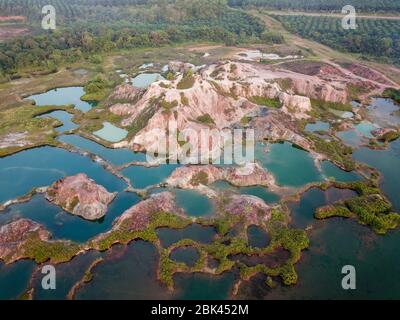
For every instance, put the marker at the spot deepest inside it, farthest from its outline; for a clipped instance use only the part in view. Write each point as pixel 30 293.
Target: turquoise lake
pixel 318 126
pixel 63 96
pixel 64 117
pixel 194 203
pixel 114 156
pixel 290 166
pixel 143 80
pixel 388 163
pixel 142 177
pixel 64 225
pixel 187 255
pixel 111 133
pixel 21 172
pixel 14 279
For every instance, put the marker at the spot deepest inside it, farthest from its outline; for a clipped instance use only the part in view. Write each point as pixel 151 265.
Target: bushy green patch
pixel 184 99
pixel 326 105
pixel 168 106
pixel 96 89
pixel 24 120
pixel 206 119
pixel 53 251
pixel 333 211
pixel 335 150
pixel 245 120
pixel 390 136
pixel 199 178
pixel 264 101
pixel 392 94
pixel 187 81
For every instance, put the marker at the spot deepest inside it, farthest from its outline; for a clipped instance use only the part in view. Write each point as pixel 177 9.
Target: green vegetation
pixel 245 120
pixel 369 208
pixel 326 105
pixel 335 150
pixel 88 29
pixel 272 37
pixel 168 106
pixel 42 251
pixel 378 39
pixel 392 94
pixel 319 5
pixel 390 136
pixel 332 211
pixel 269 102
pixel 187 81
pixel 184 99
pixel 199 178
pixel 22 128
pixel 96 89
pixel 206 119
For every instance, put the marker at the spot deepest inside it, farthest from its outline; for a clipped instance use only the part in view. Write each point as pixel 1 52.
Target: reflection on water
pixel 23 171
pixel 64 225
pixel 63 96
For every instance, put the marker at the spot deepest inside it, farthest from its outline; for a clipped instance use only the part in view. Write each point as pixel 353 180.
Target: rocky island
pixel 80 196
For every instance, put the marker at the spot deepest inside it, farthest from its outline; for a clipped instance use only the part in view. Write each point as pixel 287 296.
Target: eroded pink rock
pixel 80 196
pixel 14 234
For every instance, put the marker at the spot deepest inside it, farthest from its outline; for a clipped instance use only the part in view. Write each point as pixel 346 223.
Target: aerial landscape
pixel 199 149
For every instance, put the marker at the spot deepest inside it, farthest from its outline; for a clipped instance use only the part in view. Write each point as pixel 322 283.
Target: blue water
pixel 194 203
pixel 111 133
pixel 257 191
pixel 115 156
pixel 21 172
pixel 289 165
pixel 14 279
pixel 388 163
pixel 257 237
pixel 332 171
pixel 67 275
pixel 142 177
pixel 63 96
pixel 318 126
pixel 64 117
pixel 64 225
pixel 195 232
pixel 187 255
pixel 146 79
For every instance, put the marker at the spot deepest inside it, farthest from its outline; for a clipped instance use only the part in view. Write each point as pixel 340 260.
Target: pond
pixel 142 177
pixel 14 279
pixel 23 171
pixel 114 156
pixel 284 161
pixel 334 244
pixel 303 211
pixel 318 126
pixel 195 204
pixel 186 255
pixel 385 112
pixel 63 96
pixel 257 191
pixel 144 80
pixel 111 133
pixel 64 117
pixel 64 225
pixel 257 237
pixel 388 163
pixel 195 232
